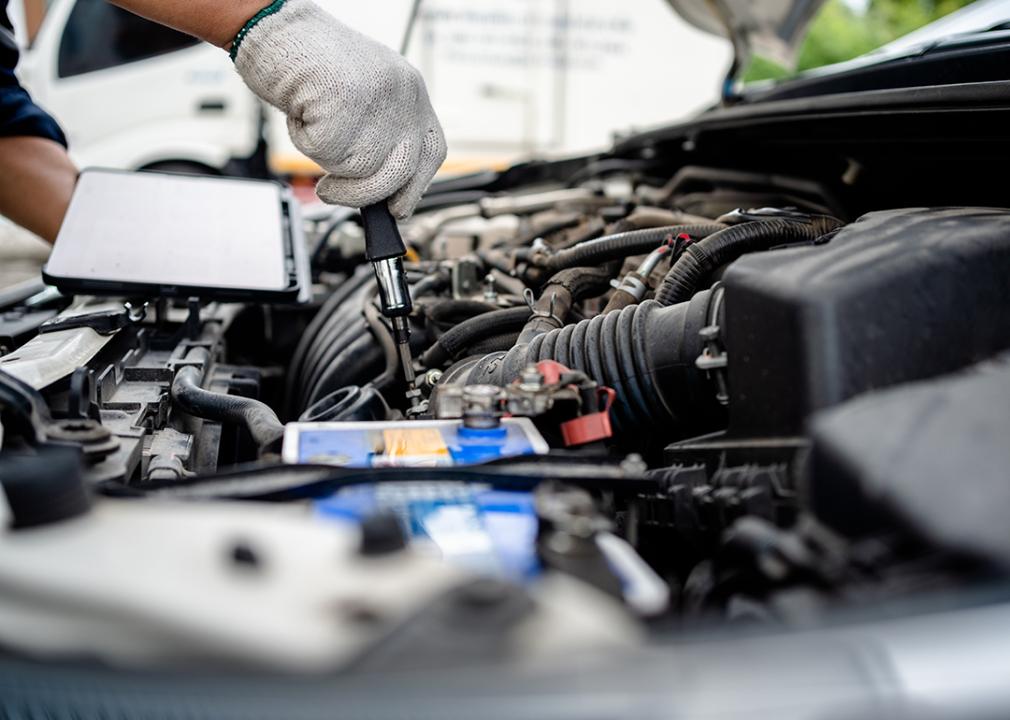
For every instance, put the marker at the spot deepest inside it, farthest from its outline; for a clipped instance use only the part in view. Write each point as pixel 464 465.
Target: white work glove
pixel 354 106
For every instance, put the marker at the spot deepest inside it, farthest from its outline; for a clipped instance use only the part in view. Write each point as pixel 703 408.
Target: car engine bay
pixel 652 397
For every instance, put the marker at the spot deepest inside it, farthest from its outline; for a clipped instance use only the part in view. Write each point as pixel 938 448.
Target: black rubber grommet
pixel 45 488
pixel 382 534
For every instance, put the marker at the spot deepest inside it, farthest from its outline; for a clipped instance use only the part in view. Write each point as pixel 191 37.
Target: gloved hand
pixel 354 106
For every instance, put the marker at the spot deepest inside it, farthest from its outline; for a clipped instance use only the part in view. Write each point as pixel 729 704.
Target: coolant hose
pixel 262 423
pixel 448 313
pixel 495 343
pixel 647 353
pixel 561 292
pixel 618 247
pixel 469 333
pixel 704 257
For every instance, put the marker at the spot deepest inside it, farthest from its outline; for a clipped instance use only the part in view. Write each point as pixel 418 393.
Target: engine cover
pixel 892 298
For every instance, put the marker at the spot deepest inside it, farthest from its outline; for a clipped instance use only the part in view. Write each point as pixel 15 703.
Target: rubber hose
pixel 617 247
pixel 316 325
pixel 449 313
pixel 561 292
pixel 346 317
pixel 262 423
pixel 557 226
pixel 353 363
pixel 703 258
pixel 592 229
pixel 349 404
pixel 354 328
pixel 384 337
pixel 429 284
pixel 474 330
pixel 495 343
pixel 620 299
pixel 348 325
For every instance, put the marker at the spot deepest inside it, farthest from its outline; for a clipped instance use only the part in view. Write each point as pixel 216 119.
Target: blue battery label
pixel 487 531
pixel 408 444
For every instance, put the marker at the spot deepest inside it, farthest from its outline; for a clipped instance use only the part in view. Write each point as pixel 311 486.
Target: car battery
pixel 487 531
pixel 416 443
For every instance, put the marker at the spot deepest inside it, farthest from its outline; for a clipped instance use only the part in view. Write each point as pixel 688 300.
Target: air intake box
pixel 894 297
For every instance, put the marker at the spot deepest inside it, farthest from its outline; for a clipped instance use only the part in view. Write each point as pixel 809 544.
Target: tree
pixel 843 30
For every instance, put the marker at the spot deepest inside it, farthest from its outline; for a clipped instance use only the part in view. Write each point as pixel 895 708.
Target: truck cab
pixel 135 95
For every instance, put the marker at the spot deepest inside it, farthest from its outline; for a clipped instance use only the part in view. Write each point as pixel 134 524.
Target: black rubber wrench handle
pixel 382 236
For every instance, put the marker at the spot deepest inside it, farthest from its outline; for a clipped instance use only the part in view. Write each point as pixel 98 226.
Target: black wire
pixel 339 217
pixel 389 350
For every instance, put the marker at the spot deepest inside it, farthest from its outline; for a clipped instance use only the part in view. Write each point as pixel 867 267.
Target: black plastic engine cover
pixel 932 455
pixel 895 296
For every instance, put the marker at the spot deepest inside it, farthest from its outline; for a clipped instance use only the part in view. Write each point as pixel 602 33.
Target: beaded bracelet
pixel 253 22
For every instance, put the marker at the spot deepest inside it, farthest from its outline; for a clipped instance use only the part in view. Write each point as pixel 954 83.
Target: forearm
pixel 216 21
pixel 37 179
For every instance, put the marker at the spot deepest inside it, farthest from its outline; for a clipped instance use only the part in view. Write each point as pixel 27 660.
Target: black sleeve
pixel 18 114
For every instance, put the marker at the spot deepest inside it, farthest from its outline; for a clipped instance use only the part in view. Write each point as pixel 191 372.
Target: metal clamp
pixel 714 359
pixel 549 315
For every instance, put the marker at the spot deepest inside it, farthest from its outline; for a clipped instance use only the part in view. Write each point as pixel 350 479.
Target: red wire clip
pixel 585 428
pixel 551 371
pixel 592 427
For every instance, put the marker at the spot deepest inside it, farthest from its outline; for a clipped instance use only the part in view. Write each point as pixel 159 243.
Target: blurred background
pixel 511 79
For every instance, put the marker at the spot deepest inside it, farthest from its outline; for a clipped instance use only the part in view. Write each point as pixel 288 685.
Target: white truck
pixel 510 79
pixel 132 94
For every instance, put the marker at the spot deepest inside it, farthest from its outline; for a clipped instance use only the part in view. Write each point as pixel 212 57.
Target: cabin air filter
pixel 168 235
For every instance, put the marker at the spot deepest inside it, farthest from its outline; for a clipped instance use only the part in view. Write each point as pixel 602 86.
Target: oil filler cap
pixel 44 488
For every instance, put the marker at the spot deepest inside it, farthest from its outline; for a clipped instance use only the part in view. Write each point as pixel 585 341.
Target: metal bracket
pixel 714 361
pixel 103 322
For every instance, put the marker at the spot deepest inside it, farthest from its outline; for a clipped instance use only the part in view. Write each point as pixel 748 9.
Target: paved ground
pixel 21 254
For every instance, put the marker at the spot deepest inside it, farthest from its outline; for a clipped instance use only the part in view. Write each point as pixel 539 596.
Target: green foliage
pixel 761 68
pixel 842 31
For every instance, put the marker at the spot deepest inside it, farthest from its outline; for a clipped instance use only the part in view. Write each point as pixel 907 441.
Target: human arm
pixel 215 21
pixel 37 179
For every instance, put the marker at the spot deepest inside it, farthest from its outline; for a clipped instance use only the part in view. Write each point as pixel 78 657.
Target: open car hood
pixel 771 28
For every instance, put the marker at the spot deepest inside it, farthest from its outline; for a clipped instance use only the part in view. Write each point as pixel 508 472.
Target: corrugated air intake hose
pixel 646 352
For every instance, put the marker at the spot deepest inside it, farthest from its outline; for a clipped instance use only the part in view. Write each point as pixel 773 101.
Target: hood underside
pixel 771 28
